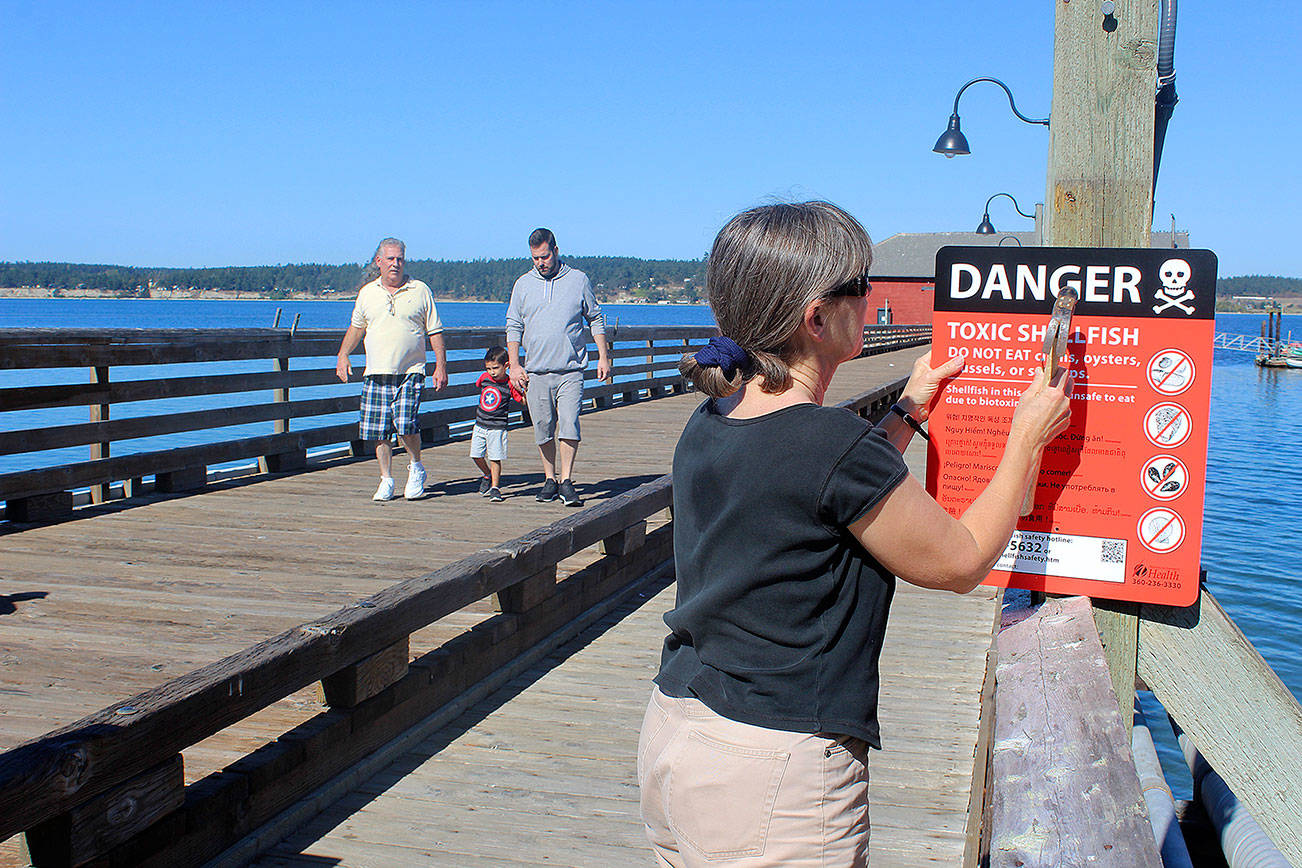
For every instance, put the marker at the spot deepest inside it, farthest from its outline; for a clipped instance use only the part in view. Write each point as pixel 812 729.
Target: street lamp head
pixel 986 227
pixel 952 142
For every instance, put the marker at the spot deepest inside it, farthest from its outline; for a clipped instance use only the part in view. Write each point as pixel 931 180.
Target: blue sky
pixel 188 134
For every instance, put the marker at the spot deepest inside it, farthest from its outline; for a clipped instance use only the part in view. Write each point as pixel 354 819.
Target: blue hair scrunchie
pixel 723 352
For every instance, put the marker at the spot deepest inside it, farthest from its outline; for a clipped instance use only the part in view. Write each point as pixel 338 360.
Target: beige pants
pixel 719 792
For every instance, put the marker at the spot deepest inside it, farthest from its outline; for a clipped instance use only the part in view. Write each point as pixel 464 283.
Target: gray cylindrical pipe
pixel 1166 39
pixel 1157 796
pixel 1164 104
pixel 1243 842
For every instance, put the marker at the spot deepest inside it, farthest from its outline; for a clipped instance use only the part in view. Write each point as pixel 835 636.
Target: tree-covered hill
pixel 653 279
pixel 1259 285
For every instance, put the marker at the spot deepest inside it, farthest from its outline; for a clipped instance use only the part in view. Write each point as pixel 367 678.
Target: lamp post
pixel 988 228
pixel 953 143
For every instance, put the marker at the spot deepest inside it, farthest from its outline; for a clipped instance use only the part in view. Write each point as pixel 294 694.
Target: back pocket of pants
pixel 653 723
pixel 721 796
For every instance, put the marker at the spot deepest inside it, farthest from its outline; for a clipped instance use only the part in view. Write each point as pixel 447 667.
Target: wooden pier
pixel 273 670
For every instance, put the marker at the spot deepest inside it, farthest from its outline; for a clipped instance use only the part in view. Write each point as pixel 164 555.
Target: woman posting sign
pixel 791 522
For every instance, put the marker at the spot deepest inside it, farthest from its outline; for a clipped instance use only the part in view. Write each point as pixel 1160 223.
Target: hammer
pixel 1055 344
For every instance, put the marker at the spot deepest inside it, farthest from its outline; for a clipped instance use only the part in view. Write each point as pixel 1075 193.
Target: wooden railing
pixel 1059 732
pixel 114 779
pixel 644 359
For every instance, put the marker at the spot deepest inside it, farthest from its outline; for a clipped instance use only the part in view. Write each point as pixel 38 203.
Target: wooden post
pixel 95 826
pixel 355 684
pixel 1099 190
pixel 625 541
pixel 282 395
pixel 1100 181
pixel 650 360
pixel 680 385
pixel 526 593
pixel 99 413
pixel 288 461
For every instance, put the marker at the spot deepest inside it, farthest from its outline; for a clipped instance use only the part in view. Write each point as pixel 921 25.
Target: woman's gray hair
pixel 766 266
pixel 372 271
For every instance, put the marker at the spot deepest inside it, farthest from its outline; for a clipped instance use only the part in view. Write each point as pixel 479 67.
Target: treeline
pixel 653 279
pixel 1266 285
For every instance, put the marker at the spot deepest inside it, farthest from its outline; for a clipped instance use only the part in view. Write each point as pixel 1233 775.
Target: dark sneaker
pixel 494 495
pixel 569 496
pixel 484 485
pixel 547 492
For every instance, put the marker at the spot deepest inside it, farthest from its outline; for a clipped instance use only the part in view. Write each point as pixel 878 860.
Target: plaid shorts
pixel 390 404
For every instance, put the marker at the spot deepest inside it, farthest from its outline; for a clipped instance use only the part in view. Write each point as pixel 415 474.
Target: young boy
pixel 488 442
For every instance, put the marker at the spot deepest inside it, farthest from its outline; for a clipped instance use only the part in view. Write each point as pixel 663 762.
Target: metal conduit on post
pixel 1244 843
pixel 1157 796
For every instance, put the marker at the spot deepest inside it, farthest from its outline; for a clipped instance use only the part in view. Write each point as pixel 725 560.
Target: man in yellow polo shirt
pixel 395 314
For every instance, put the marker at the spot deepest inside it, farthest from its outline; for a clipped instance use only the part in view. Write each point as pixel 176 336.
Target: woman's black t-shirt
pixel 780 612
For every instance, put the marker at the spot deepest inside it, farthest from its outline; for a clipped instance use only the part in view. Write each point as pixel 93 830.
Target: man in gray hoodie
pixel 550 304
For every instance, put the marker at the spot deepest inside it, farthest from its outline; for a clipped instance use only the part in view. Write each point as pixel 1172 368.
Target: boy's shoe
pixel 547 492
pixel 494 495
pixel 485 485
pixel 415 482
pixel 568 495
pixel 385 491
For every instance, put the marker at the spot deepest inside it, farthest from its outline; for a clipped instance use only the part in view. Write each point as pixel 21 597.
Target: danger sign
pixel 1118 508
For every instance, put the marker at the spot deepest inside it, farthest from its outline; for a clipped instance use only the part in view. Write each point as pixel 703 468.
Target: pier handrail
pixel 140 738
pixel 52 774
pixel 1210 678
pixel 644 364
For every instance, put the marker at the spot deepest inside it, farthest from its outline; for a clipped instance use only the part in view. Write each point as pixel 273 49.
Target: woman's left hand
pixel 924 383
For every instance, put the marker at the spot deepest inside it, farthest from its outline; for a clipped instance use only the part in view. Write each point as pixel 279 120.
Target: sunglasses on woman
pixel 857 287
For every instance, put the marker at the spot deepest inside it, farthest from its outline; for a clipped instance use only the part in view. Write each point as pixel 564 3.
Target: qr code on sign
pixel 1114 551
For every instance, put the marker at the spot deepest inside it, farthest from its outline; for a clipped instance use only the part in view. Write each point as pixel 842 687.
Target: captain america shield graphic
pixel 490 399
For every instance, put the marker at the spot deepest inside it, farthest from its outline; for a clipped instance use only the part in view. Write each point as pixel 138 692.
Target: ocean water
pixel 1251 535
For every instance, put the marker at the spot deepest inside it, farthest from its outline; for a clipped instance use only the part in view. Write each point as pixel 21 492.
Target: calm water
pixel 1252 531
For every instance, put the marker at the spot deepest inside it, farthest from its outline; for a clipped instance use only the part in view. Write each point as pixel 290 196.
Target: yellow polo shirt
pixel 396 326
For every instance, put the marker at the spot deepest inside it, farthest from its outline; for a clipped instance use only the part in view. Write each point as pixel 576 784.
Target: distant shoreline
pixel 188 294
pixel 223 295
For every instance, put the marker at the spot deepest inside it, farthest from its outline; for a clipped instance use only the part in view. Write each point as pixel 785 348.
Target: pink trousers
pixel 719 792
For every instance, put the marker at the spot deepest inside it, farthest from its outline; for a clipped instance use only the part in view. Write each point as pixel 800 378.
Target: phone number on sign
pixel 1156 583
pixel 1038 547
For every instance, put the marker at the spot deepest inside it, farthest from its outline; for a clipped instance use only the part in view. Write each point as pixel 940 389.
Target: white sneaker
pixel 415 482
pixel 385 491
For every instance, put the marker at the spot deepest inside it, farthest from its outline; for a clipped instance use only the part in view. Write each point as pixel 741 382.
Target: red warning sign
pixel 1119 501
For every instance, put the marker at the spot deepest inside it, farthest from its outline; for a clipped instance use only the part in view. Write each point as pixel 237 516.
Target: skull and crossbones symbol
pixel 1174 291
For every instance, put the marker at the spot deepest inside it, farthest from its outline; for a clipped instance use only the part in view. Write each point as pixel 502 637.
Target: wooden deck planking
pixel 141 591
pixel 534 774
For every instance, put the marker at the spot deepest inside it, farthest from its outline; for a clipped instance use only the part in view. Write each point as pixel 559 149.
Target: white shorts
pixel 488 443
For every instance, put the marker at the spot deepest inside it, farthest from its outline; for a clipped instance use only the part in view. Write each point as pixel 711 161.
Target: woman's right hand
pixel 1044 410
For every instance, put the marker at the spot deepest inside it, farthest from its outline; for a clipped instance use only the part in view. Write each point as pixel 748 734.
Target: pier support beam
pixel 107 820
pixel 189 479
pixel 526 593
pixel 355 684
pixel 39 507
pixel 284 462
pixel 1099 188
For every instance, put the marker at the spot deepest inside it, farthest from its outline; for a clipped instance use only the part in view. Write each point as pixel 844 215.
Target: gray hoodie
pixel 547 318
